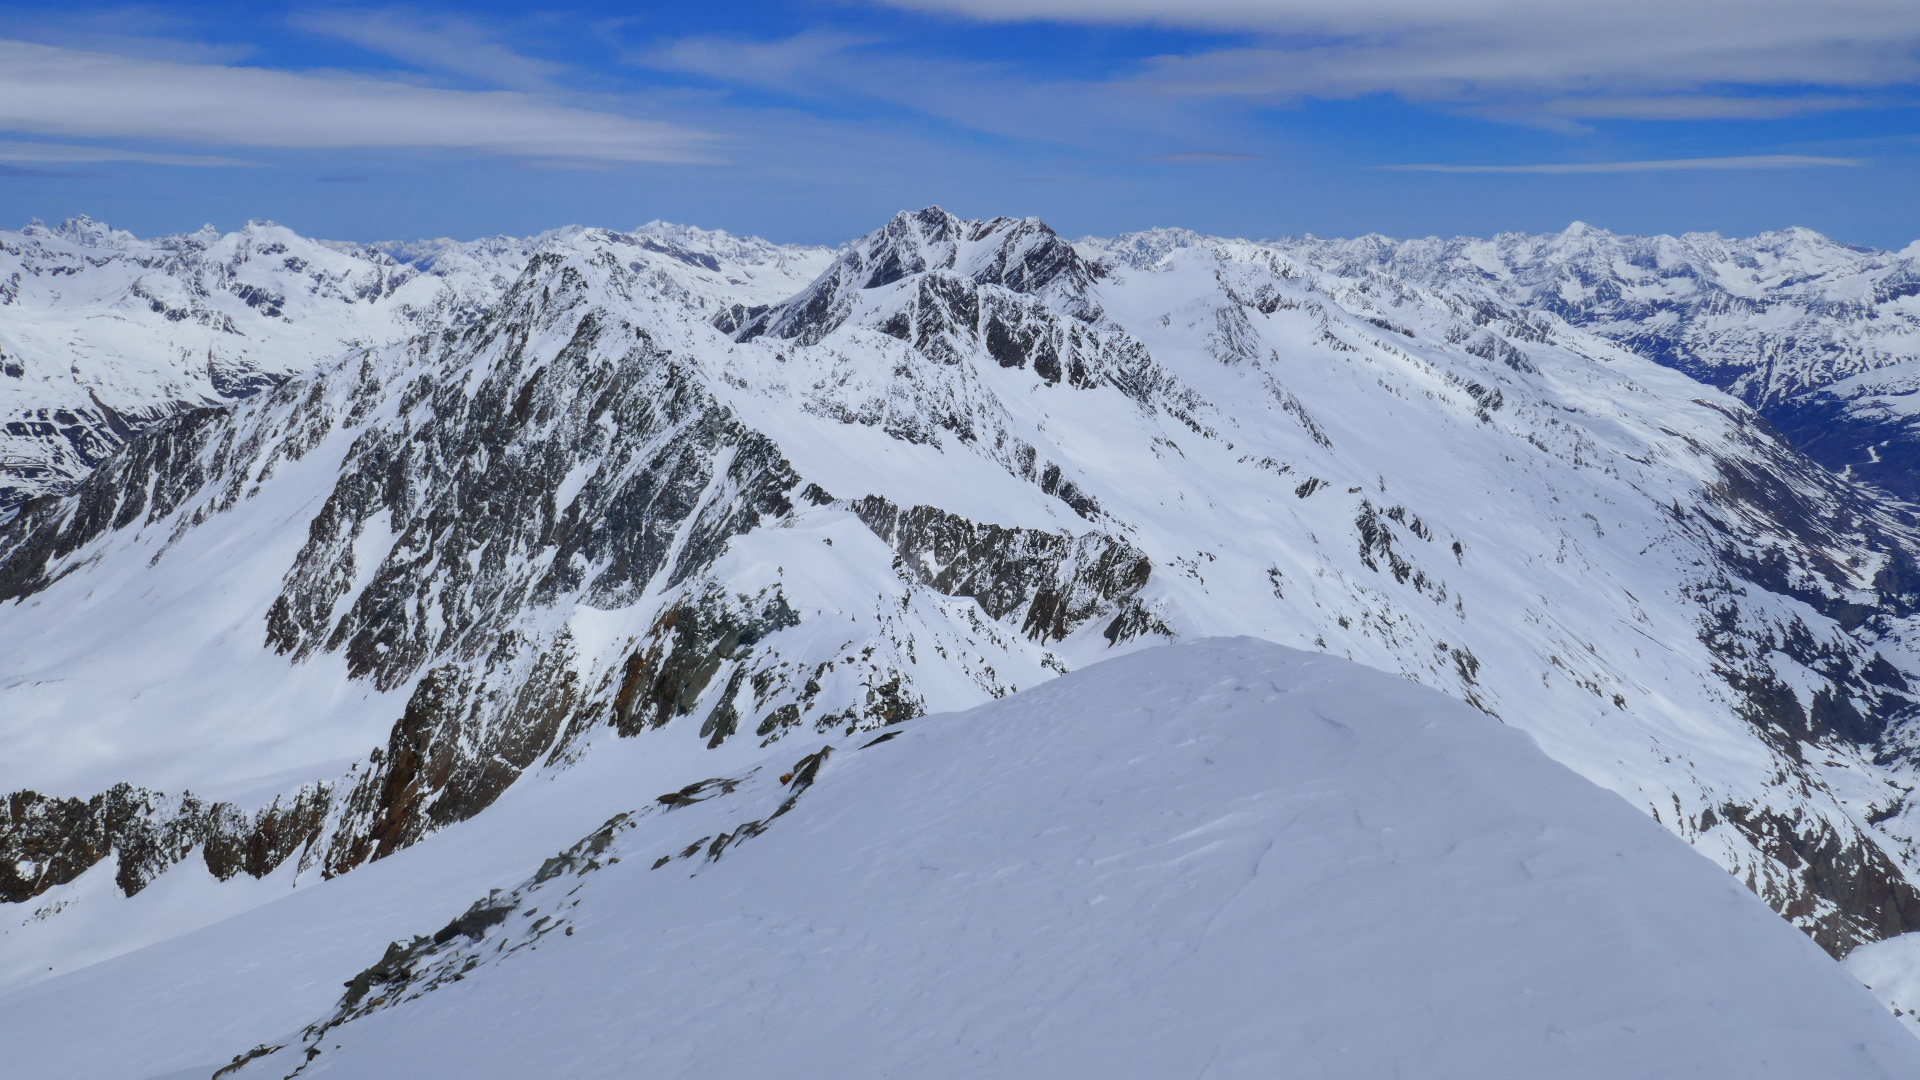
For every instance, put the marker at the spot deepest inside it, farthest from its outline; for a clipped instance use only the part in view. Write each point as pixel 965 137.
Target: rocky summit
pixel 323 557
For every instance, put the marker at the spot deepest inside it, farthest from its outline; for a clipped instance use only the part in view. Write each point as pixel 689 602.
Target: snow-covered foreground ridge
pixel 286 637
pixel 1225 858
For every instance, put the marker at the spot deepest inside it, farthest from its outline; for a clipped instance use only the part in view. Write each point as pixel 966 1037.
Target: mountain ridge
pixel 1077 863
pixel 1819 336
pixel 618 500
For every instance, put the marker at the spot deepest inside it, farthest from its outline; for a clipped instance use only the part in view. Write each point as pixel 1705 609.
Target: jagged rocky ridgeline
pixel 103 334
pixel 638 494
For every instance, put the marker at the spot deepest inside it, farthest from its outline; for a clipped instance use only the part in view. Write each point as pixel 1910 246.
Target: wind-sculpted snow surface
pixel 640 493
pixel 1823 338
pixel 1224 857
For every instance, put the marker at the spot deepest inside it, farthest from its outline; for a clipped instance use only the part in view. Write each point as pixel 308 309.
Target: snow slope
pixel 1823 338
pixel 639 499
pixel 1224 858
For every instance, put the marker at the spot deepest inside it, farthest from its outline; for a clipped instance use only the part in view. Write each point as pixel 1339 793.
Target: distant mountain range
pixel 321 550
pixel 1821 338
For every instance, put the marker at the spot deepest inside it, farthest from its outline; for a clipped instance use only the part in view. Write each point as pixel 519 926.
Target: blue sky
pixel 813 121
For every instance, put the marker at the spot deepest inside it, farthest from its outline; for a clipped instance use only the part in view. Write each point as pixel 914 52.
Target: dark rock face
pixel 566 452
pixel 469 492
pixel 428 776
pixel 1052 582
pixel 1842 889
pixel 688 647
pixel 84 437
pixel 147 481
pixel 1022 257
pixel 462 478
pixel 1780 525
pixel 46 842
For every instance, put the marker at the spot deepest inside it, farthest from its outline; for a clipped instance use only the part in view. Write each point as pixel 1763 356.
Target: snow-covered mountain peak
pixel 102 333
pixel 743 250
pixel 84 231
pixel 1022 256
pixel 1136 249
pixel 676 490
pixel 425 254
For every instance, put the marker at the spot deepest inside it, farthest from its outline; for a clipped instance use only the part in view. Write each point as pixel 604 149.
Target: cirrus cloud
pixel 437 43
pixel 71 93
pixel 71 154
pixel 1760 161
pixel 1472 50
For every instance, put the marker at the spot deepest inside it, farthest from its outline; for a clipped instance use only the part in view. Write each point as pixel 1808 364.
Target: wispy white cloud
pixel 434 43
pixel 1468 51
pixel 1701 107
pixel 1763 161
pixel 807 63
pixel 70 154
pixel 78 94
pixel 995 98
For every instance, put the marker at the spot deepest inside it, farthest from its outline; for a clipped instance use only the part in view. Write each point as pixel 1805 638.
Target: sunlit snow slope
pixel 1823 338
pixel 1226 858
pixel 651 496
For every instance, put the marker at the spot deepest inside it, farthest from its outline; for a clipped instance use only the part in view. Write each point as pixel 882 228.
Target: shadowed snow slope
pixel 1226 858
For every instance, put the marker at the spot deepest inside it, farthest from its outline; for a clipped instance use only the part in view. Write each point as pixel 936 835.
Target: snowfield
pixel 599 552
pixel 1819 336
pixel 1224 858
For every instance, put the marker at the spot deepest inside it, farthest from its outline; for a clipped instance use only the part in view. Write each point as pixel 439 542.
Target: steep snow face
pixel 635 496
pixel 1822 337
pixel 102 333
pixel 1224 857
